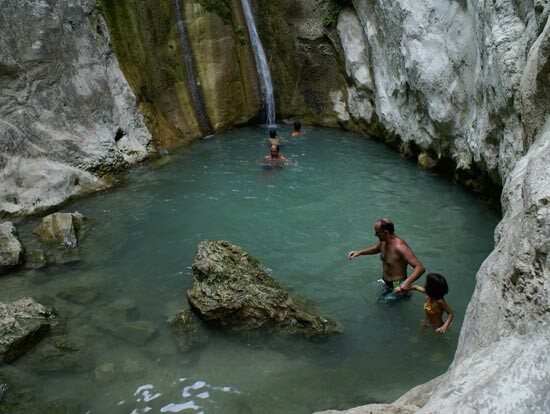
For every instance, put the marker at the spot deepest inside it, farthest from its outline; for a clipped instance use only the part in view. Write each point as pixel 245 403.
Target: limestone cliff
pixel 71 117
pixel 453 84
pixel 67 114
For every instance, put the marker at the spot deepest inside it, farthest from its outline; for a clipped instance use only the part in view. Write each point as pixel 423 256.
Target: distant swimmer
pixel 273 140
pixel 435 289
pixel 297 129
pixel 395 254
pixel 274 158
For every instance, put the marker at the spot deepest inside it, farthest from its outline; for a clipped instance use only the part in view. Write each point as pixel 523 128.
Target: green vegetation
pixel 333 10
pixel 221 7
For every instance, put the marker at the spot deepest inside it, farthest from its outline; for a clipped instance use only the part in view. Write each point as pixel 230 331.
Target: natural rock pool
pixel 300 222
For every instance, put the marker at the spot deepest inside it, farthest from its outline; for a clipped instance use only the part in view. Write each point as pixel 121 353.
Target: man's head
pixel 274 151
pixel 272 133
pixel 297 126
pixel 383 228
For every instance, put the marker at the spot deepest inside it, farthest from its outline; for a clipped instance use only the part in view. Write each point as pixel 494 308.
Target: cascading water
pixel 200 111
pixel 261 64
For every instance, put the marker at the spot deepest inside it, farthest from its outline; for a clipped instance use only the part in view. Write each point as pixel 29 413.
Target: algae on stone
pixel 230 290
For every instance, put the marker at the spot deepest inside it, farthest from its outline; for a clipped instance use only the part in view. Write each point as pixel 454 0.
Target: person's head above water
pixel 297 126
pixel 272 133
pixel 383 228
pixel 436 286
pixel 274 151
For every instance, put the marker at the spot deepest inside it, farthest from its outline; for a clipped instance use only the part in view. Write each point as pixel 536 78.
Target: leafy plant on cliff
pixel 334 7
pixel 221 7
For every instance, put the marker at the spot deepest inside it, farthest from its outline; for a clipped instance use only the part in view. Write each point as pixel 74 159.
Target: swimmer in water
pixel 434 306
pixel 274 158
pixel 273 140
pixel 297 129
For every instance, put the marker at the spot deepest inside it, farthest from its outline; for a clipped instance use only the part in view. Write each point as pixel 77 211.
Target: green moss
pixel 240 34
pixel 334 7
pixel 145 40
pixel 221 7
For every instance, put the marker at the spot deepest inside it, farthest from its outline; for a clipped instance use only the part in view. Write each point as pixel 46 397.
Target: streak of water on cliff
pixel 266 87
pixel 198 103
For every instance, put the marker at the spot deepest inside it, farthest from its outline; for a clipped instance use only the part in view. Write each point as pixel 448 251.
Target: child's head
pixel 272 133
pixel 297 126
pixel 436 286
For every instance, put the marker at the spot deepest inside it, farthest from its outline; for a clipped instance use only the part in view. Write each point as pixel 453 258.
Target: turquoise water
pixel 300 222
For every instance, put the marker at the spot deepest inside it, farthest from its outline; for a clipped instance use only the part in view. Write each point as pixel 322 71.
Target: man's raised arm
pixel 375 248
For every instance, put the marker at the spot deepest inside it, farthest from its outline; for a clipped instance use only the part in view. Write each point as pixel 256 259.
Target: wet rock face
pixel 23 324
pixel 231 291
pixel 68 114
pixel 462 82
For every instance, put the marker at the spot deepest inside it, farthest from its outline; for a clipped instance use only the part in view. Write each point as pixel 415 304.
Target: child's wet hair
pixel 436 286
pixel 272 133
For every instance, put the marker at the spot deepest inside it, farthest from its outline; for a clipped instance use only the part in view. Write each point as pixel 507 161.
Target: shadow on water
pixel 300 222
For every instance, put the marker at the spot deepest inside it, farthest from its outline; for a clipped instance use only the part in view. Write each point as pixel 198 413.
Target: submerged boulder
pixel 23 324
pixel 188 330
pixel 11 250
pixel 230 290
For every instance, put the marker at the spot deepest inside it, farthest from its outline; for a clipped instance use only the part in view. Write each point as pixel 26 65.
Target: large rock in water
pixel 23 324
pixel 231 291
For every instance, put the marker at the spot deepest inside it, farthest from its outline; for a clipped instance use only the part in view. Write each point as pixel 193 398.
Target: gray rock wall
pixel 67 115
pixel 453 80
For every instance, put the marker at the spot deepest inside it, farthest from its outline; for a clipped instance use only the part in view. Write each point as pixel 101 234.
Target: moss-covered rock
pixel 232 291
pixel 23 324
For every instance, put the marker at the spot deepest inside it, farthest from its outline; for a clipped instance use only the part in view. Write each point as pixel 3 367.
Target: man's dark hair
pixel 297 125
pixel 385 224
pixel 436 286
pixel 272 133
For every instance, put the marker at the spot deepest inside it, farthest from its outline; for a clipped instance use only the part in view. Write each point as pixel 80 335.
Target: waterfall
pixel 261 64
pixel 200 111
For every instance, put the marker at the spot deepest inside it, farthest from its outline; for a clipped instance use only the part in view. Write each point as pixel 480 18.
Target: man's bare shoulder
pixel 401 245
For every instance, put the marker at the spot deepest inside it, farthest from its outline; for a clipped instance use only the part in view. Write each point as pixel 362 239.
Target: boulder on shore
pixel 23 324
pixel 60 228
pixel 231 291
pixel 11 250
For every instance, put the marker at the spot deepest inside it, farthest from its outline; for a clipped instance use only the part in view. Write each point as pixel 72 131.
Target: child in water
pixel 434 306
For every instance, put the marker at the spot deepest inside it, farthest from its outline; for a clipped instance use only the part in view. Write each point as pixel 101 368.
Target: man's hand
pixel 441 330
pixel 405 286
pixel 352 254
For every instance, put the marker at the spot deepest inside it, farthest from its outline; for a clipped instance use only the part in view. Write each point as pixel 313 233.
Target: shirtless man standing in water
pixel 395 254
